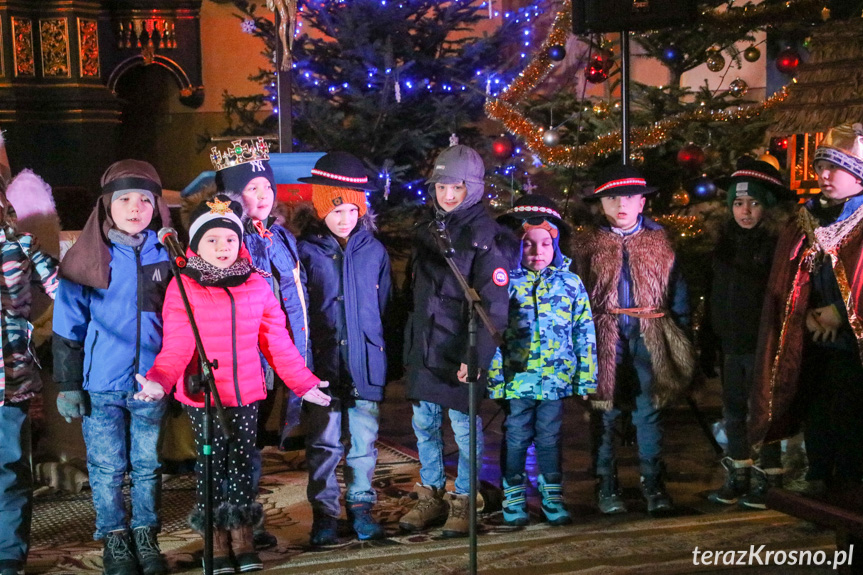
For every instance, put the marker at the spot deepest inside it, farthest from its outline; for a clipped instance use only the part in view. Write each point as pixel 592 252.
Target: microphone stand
pixel 211 399
pixel 475 310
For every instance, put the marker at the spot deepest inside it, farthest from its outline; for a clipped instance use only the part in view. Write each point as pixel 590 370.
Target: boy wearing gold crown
pixel 239 318
pixel 244 174
pixel 808 365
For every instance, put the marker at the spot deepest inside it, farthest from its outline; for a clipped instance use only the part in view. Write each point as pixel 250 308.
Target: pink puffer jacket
pixel 233 323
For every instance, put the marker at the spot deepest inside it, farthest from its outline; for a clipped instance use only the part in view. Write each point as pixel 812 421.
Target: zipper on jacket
pixel 92 347
pixel 234 345
pixel 140 272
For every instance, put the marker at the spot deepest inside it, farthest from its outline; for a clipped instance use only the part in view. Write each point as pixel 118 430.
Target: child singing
pixel 237 314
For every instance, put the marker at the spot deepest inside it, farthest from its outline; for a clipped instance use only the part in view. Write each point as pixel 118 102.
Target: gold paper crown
pixel 240 153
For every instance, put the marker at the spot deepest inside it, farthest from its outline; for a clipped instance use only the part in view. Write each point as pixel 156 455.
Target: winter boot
pixel 365 526
pixel 764 479
pixel 737 472
pixel 263 538
pixel 117 555
pixel 514 502
pixel 430 508
pixel 325 530
pixel 223 563
pixel 608 497
pixel 552 499
pixel 243 547
pixel 147 550
pixel 653 489
pixel 458 522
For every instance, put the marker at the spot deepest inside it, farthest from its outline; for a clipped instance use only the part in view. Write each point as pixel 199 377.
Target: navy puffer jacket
pixel 349 290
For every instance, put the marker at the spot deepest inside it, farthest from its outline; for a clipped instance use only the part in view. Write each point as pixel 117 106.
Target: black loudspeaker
pixel 618 15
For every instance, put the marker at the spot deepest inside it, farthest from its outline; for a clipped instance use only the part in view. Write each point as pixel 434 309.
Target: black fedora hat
pixel 533 207
pixel 619 180
pixel 340 169
pixel 756 177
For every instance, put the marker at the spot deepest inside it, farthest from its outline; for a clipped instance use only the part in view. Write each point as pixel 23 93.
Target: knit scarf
pixel 209 275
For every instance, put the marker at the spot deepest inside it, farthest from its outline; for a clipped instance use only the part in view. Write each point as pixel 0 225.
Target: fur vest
pixel 599 258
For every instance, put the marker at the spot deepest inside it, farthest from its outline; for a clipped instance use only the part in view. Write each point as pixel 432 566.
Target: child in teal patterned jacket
pixel 549 353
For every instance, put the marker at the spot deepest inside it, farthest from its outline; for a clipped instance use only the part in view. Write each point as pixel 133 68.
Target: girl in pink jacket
pixel 236 313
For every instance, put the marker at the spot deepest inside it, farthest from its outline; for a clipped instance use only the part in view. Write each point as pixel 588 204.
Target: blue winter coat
pixel 281 258
pixel 104 337
pixel 348 294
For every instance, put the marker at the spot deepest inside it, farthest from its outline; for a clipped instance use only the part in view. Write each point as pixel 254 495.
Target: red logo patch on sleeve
pixel 500 277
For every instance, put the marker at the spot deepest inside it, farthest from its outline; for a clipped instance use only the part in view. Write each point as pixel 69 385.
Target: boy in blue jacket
pixel 107 330
pixel 549 353
pixel 349 288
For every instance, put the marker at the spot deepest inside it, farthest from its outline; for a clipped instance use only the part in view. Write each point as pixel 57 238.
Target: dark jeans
pixel 632 390
pixel 832 392
pixel 531 421
pixel 16 483
pixel 233 480
pixel 737 376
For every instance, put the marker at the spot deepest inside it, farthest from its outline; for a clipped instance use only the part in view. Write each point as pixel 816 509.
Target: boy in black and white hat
pixel 641 313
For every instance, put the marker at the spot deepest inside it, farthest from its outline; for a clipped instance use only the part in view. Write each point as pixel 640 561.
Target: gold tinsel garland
pixel 504 108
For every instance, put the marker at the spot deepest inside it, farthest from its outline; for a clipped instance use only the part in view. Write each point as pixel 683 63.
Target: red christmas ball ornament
pixel 597 71
pixel 502 147
pixel 690 156
pixel 787 61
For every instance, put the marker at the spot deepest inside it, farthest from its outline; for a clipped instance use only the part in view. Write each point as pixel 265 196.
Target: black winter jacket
pixel 741 265
pixel 436 335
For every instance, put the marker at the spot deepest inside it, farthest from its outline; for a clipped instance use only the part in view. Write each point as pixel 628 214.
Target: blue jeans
pixel 16 494
pixel 325 429
pixel 531 421
pixel 633 389
pixel 122 433
pixel 427 422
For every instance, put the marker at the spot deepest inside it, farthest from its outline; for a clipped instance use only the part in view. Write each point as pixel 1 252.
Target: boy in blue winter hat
pixel 549 353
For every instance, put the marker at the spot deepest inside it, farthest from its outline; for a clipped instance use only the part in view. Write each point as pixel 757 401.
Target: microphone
pixel 168 238
pixel 443 240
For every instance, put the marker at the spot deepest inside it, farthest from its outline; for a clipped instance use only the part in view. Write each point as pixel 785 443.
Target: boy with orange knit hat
pixel 348 283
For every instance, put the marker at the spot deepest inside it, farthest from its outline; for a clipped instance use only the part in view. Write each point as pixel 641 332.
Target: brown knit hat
pixel 328 198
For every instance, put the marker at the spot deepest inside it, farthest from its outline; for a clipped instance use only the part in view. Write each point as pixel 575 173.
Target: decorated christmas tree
pixel 389 81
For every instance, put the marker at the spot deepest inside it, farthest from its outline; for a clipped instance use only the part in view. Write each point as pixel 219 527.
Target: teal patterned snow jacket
pixel 550 343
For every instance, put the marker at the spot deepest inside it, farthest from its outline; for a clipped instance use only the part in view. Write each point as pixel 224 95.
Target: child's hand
pixel 462 373
pixel 316 396
pixel 150 390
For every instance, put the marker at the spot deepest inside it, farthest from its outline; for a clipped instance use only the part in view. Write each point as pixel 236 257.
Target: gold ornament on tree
pixel 600 110
pixel 738 88
pixel 287 11
pixel 715 61
pixel 680 199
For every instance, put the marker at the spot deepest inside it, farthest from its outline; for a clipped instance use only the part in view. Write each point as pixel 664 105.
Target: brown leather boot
pixel 223 563
pixel 243 546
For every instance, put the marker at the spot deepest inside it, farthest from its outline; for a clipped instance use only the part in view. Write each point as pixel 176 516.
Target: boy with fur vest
pixel 548 354
pixel 437 332
pixel 349 288
pixel 641 313
pixel 238 318
pixel 107 330
pixel 808 365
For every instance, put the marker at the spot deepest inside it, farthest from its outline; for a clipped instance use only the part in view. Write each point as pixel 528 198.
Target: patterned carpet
pixel 633 543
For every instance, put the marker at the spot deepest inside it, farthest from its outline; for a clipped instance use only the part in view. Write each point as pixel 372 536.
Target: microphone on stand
pixel 443 240
pixel 168 238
